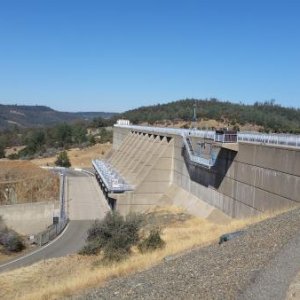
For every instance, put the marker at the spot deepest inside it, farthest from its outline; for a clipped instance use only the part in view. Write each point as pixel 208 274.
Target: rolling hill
pixel 267 116
pixel 39 116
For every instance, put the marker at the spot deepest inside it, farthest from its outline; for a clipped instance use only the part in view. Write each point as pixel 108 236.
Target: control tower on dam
pixel 237 174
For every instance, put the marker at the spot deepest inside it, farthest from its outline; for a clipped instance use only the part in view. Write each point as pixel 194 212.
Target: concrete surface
pixel 28 218
pixel 145 161
pixel 85 199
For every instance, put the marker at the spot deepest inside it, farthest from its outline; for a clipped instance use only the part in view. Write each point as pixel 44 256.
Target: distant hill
pixel 92 115
pixel 40 116
pixel 267 115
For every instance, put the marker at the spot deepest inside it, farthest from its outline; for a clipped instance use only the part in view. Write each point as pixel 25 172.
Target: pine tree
pixel 63 160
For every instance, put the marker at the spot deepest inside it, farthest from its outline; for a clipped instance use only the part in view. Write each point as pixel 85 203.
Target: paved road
pixel 85 204
pixel 83 195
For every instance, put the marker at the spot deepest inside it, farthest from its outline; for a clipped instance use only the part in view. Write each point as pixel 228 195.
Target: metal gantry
pixel 112 180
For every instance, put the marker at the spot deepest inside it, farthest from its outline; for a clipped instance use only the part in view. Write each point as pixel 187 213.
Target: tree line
pixel 47 141
pixel 270 116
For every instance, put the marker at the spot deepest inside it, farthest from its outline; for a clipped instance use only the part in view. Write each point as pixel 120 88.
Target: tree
pixel 63 134
pixel 2 150
pixel 63 160
pixel 79 133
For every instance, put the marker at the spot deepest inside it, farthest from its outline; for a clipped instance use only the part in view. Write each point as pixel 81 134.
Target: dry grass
pixel 57 278
pixel 22 181
pixel 209 123
pixel 13 150
pixel 80 158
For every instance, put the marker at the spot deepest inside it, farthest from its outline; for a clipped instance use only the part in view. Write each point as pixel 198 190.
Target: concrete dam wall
pixel 245 180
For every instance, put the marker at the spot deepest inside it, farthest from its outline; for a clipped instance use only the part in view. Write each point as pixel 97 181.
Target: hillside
pixel 40 116
pixel 268 116
pixel 23 181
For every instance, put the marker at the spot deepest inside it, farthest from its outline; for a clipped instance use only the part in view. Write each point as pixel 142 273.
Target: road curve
pixel 85 203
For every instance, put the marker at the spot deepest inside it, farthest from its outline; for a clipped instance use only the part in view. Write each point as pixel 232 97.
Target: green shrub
pixel 113 236
pixel 63 160
pixel 152 242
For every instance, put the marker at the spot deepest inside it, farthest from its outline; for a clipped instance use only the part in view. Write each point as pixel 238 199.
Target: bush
pixel 92 248
pixel 63 160
pixel 9 239
pixel 152 242
pixel 113 236
pixel 12 242
pixel 13 156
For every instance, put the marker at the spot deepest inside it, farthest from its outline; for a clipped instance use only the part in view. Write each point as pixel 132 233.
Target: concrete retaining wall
pixel 28 218
pixel 257 178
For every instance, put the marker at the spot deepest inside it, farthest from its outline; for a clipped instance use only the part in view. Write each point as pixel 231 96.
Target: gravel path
pixel 258 265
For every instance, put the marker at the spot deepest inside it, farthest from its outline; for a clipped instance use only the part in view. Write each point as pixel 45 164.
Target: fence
pixel 51 232
pixel 55 229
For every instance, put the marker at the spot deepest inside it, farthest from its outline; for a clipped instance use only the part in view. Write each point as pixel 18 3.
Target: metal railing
pixel 208 163
pixel 290 140
pixel 62 196
pixel 226 138
pixel 51 232
pixel 209 134
pixel 54 230
pixel 273 139
pixel 110 177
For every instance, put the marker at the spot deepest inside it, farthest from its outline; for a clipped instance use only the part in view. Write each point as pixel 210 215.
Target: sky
pixel 118 55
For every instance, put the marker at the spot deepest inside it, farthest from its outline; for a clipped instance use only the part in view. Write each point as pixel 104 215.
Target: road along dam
pixel 206 172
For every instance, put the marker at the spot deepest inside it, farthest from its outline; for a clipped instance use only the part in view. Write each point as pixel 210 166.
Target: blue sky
pixel 116 55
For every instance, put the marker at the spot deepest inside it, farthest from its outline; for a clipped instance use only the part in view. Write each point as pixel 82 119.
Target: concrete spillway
pixel 244 179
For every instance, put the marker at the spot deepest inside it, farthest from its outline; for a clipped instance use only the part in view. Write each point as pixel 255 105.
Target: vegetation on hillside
pixel 48 141
pixel 269 115
pixel 33 116
pixel 44 142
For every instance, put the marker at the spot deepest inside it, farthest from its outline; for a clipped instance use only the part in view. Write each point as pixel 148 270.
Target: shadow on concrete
pixel 214 176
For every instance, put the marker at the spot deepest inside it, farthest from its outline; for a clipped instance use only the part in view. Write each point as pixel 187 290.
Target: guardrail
pixel 54 230
pixel 209 134
pixel 273 139
pixel 290 140
pixel 51 232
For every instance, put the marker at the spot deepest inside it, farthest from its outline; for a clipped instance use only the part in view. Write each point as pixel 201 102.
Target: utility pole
pixel 194 123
